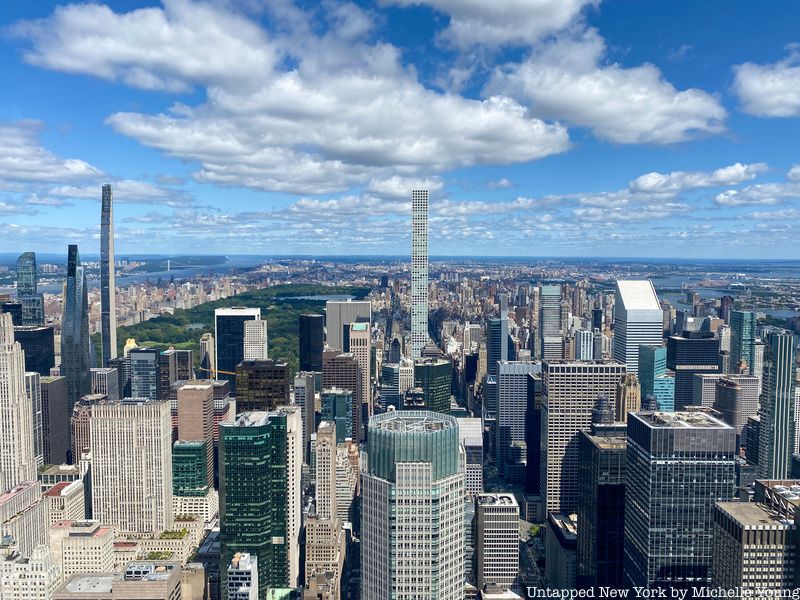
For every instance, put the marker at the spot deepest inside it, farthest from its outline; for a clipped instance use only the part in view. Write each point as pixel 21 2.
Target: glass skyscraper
pixel 778 419
pixel 27 291
pixel 743 341
pixel 108 303
pixel 312 342
pixel 145 372
pixel 337 406
pixel 434 377
pixel 690 354
pixel 229 337
pixel 678 466
pixel 412 525
pixel 638 321
pixel 653 376
pixel 76 346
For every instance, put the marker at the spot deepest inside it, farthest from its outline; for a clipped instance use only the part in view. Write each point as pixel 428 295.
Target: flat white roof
pixel 637 294
pixel 470 431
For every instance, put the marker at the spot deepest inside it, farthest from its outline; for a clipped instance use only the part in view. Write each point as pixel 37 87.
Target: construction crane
pixel 215 371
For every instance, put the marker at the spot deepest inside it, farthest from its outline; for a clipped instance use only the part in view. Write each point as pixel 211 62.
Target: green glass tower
pixel 260 454
pixel 337 406
pixel 434 376
pixel 189 469
pixel 743 338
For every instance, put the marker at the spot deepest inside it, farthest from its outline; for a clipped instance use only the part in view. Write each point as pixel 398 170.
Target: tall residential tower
pixel 108 304
pixel 75 342
pixel 419 271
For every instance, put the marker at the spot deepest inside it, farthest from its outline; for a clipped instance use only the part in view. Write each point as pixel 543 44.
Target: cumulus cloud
pixel 764 193
pixel 568 79
pixel 678 181
pixel 771 90
pixel 126 191
pixel 24 159
pixel 501 22
pixel 794 173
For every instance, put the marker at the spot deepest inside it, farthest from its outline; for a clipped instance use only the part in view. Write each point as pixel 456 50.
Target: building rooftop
pixel 90 584
pixel 61 488
pixel 567 526
pixel 497 500
pixel 413 420
pixel 470 431
pixel 751 515
pixel 359 326
pixel 682 420
pixel 638 295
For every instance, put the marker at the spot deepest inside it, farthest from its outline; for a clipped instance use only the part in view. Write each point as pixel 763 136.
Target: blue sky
pixel 541 127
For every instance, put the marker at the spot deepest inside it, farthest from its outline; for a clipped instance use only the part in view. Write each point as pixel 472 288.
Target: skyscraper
pixel 412 525
pixel 145 368
pixel 27 291
pixel 496 351
pixel 678 466
pixel 339 314
pixel 38 343
pixel 743 341
pixel 653 376
pixel 108 288
pixel 570 392
pixel 256 345
pixel 55 420
pixel 312 342
pixel 75 342
pixel 419 271
pixel 260 465
pixel 17 458
pixel 778 419
pixel 638 321
pixel 361 349
pixel 550 322
pixel 497 540
pixel 341 370
pixel 512 404
pixel 690 354
pixel 629 397
pixel 33 391
pixel 337 408
pixel 262 385
pixel 434 377
pixel 229 336
pixel 131 443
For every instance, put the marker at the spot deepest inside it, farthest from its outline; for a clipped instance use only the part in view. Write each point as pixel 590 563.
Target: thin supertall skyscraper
pixel 75 342
pixel 108 305
pixel 419 271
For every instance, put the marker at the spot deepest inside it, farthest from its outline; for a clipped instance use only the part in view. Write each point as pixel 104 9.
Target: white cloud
pixel 345 113
pixel 794 173
pixel 397 187
pixel 771 90
pixel 764 193
pixel 22 157
pixel 678 181
pixel 500 22
pixel 126 191
pixel 152 48
pixel 500 183
pixel 567 79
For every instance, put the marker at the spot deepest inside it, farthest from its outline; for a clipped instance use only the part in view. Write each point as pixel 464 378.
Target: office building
pixel 419 271
pixel 256 342
pixel 550 322
pixel 736 399
pixel 33 393
pixel 337 407
pixel 55 419
pixel 654 378
pixel 80 425
pixel 33 577
pixel 561 543
pixel 434 377
pixel 361 349
pixel 82 547
pixel 305 397
pixel 208 353
pixel 678 466
pixel 338 317
pixel 192 481
pixel 342 371
pixel 570 390
pixel 131 444
pixel 167 372
pixel 312 342
pixel 778 419
pixel 512 405
pixel 196 421
pixel 262 385
pixel 260 465
pixel 496 349
pixel 17 451
pixel 601 501
pixel 145 370
pixel 755 543
pixel 242 577
pixel 638 321
pixel 470 432
pixel 38 343
pixel 184 365
pixel 628 397
pixel 66 501
pixel 140 580
pixel 743 341
pixel 496 540
pixel 108 288
pixel 106 381
pixel 688 355
pixel 412 525
pixel 75 342
pixel 584 341
pixel 28 296
pixel 229 338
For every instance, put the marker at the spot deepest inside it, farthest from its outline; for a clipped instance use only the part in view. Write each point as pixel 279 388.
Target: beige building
pixel 132 465
pixel 194 584
pixel 82 547
pixel 30 577
pixel 629 397
pixel 143 580
pixel 196 419
pixel 361 349
pixel 24 517
pixel 497 540
pixel 66 501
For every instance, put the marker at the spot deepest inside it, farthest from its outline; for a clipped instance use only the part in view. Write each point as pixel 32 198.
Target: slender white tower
pixel 419 271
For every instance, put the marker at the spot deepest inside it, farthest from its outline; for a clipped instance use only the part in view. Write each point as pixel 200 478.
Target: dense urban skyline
pixel 541 128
